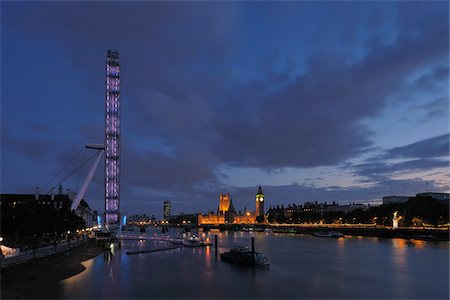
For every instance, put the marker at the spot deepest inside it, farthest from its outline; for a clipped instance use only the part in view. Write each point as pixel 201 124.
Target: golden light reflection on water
pixel 69 282
pixel 348 273
pixel 399 253
pixel 208 257
pixel 340 253
pixel 399 243
pixel 418 243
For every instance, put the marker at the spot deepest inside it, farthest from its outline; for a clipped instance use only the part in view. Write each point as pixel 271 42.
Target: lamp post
pixel 68 238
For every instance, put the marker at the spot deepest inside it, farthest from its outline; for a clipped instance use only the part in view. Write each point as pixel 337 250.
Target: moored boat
pixel 243 256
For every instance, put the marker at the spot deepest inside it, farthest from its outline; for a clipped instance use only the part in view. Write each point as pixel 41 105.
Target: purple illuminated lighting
pixel 112 140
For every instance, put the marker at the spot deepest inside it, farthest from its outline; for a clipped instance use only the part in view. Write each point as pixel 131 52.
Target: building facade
pixel 167 209
pixel 226 213
pixel 437 196
pixel 395 199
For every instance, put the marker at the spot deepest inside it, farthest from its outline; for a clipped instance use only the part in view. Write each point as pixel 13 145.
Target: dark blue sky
pixel 326 101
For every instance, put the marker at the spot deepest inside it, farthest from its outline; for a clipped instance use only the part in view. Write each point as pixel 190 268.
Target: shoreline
pixel 39 278
pixel 401 232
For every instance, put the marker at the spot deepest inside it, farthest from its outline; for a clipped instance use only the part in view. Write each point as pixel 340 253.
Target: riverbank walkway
pixel 42 252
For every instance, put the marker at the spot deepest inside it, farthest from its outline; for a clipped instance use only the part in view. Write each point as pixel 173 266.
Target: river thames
pixel 301 266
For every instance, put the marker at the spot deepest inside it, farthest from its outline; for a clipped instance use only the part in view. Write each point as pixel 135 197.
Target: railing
pixel 41 252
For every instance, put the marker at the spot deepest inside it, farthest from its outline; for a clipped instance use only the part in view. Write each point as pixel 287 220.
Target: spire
pixel 259 190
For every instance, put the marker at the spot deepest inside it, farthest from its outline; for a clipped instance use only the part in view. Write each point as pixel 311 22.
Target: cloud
pixel 210 84
pixel 34 148
pixel 376 171
pixel 301 193
pixel 430 81
pixel 433 110
pixel 420 157
pixel 317 119
pixel 437 146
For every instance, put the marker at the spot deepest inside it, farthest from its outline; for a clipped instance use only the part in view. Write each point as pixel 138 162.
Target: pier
pixel 154 250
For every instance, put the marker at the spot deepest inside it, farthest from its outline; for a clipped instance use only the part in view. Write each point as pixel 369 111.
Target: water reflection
pixel 301 267
pixel 107 255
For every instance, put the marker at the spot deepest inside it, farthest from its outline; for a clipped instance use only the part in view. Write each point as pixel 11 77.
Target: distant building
pixel 167 209
pixel 55 201
pixel 437 196
pixel 136 219
pixel 226 214
pixel 347 208
pixel 183 219
pixel 58 201
pixel 83 210
pixel 395 199
pixel 95 219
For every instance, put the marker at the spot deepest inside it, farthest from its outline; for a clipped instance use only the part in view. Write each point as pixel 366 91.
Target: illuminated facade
pixel 226 213
pixel 224 203
pixel 260 205
pixel 112 141
pixel 210 218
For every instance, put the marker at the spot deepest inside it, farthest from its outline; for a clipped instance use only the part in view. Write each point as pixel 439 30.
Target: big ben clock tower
pixel 259 206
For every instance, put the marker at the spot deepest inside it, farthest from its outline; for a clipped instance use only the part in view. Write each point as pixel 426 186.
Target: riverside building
pixel 226 213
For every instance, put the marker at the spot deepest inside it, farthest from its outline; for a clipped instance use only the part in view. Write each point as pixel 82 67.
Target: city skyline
pixel 343 102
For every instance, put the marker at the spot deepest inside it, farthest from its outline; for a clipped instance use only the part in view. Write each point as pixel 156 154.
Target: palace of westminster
pixel 226 214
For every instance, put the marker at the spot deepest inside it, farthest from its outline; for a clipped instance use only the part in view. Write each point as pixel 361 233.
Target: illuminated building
pixel 112 141
pixel 166 209
pixel 226 213
pixel 259 205
pixel 246 217
pixel 224 203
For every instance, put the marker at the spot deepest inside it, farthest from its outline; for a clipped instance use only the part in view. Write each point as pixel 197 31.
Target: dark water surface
pixel 301 266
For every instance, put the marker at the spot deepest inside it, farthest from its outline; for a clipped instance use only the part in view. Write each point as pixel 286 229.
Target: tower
pixel 224 203
pixel 166 209
pixel 259 205
pixel 112 141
